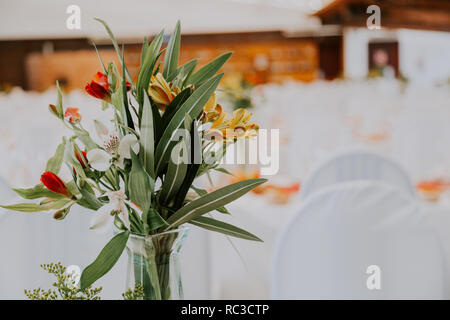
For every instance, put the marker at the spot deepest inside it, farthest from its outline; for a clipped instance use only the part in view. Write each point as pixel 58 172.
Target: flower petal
pixel 127 142
pixel 211 103
pixel 102 220
pixel 101 129
pixel 99 159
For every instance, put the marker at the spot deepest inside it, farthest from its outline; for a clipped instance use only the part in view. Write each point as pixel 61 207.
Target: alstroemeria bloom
pixel 115 150
pixel 82 159
pixel 72 115
pixel 236 127
pixel 54 183
pixel 103 219
pixel 99 87
pixel 160 91
pixel 211 111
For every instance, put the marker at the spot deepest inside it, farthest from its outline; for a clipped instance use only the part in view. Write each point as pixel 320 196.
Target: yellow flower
pixel 160 91
pixel 220 122
pixel 236 127
pixel 211 103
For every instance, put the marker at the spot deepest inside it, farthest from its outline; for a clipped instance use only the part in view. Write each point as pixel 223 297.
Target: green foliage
pixel 64 287
pixel 36 192
pixel 172 53
pixel 136 294
pixel 222 227
pixel 105 260
pixel 55 162
pixel 212 201
pixel 145 190
pixel 208 70
pixel 193 106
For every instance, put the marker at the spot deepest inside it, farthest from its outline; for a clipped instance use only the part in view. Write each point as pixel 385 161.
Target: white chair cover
pixel 324 252
pixel 357 165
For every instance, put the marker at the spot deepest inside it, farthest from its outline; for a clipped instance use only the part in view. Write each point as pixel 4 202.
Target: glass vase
pixel 153 263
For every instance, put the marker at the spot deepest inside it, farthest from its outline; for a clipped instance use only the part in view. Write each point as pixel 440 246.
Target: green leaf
pixel 223 170
pixel 36 192
pixel 173 107
pixel 193 106
pixel 222 227
pixel 99 58
pixel 89 200
pixel 176 172
pixel 157 122
pixel 152 54
pixel 140 184
pixel 116 47
pixel 182 73
pixel 193 168
pixel 172 52
pixel 202 192
pixel 85 138
pixel 212 201
pixel 208 70
pixel 34 207
pixel 147 139
pixel 59 104
pixel 105 260
pixel 127 117
pixel 154 220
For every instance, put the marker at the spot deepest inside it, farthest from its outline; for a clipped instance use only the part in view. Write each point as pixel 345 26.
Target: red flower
pixel 82 161
pixel 99 87
pixel 73 115
pixel 54 183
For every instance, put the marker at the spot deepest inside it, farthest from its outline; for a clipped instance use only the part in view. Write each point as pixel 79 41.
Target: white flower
pixel 115 149
pixel 103 219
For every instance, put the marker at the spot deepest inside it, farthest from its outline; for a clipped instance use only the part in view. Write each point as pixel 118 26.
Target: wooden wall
pixel 265 56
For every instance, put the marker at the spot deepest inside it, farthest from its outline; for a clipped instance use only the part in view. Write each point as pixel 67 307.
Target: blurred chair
pixel 343 235
pixel 357 165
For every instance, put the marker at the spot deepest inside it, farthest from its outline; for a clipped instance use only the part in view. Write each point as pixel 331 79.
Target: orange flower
pixel 72 115
pixel 54 183
pixel 99 87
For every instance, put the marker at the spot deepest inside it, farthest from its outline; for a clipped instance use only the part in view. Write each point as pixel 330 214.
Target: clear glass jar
pixel 153 263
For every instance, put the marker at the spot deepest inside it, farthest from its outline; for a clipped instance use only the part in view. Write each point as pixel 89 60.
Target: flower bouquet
pixel 167 130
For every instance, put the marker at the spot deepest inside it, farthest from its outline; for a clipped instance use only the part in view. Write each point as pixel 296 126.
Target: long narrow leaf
pixel 208 70
pixel 176 172
pixel 172 52
pixel 202 192
pixel 105 260
pixel 152 54
pixel 128 120
pixel 193 107
pixel 116 47
pixel 140 184
pixel 193 168
pixel 36 192
pixel 34 207
pixel 99 58
pixel 173 107
pixel 147 139
pixel 212 201
pixel 183 72
pixel 222 227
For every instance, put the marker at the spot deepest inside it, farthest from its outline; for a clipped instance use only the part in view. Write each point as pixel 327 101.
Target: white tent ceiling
pixel 22 19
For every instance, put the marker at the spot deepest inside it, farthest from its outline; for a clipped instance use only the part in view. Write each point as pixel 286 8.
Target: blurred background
pixel 323 72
